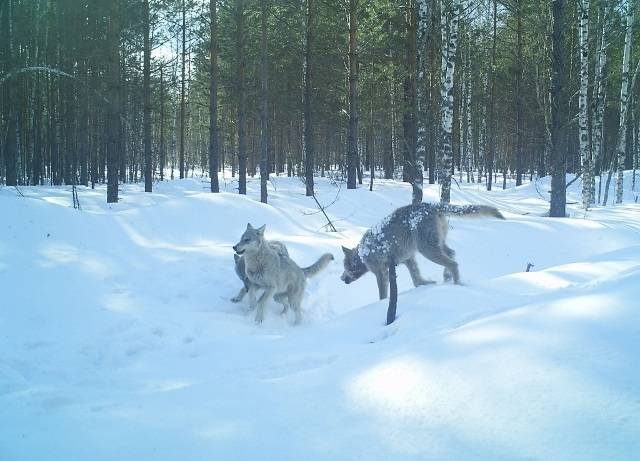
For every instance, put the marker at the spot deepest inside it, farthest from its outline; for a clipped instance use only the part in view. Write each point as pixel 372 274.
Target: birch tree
pixel 450 15
pixel 599 95
pixel 621 146
pixel 583 105
pixel 421 144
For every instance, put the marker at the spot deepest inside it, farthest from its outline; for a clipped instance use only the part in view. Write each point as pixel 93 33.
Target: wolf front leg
pixel 382 278
pixel 252 296
pixel 264 299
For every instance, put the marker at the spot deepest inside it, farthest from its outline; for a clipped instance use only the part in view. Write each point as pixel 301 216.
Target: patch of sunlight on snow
pixel 586 307
pixel 168 385
pixel 60 201
pixel 485 334
pixel 219 431
pixel 62 253
pixel 118 302
pixel 536 281
pixel 412 402
pixel 201 246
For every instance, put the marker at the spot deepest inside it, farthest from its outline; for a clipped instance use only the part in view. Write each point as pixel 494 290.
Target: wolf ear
pixel 346 251
pixel 261 229
pixel 249 226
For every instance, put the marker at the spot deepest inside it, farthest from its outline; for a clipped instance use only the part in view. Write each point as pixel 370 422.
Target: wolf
pixel 410 229
pixel 279 247
pixel 274 272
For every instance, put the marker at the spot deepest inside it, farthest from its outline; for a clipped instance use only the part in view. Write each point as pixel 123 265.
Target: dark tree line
pixel 97 91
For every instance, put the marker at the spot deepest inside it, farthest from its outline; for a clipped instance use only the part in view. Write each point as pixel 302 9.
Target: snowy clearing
pixel 118 339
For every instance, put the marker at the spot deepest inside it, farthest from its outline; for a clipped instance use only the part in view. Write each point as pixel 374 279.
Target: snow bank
pixel 118 339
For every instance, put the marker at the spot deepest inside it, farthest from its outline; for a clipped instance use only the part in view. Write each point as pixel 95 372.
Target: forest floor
pixel 118 340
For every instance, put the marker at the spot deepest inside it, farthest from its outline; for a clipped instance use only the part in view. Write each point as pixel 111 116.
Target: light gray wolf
pixel 274 272
pixel 279 247
pixel 410 229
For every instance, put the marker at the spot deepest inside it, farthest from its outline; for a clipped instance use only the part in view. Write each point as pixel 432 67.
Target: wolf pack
pixel 266 268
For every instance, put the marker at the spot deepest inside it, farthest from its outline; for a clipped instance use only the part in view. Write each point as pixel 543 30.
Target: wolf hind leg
pixel 295 301
pixel 282 298
pixel 447 275
pixel 439 256
pixel 414 271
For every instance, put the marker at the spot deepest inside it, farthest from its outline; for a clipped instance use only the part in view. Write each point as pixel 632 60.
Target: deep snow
pixel 118 339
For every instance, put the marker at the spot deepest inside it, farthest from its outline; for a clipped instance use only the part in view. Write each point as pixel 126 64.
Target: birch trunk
pixel 583 104
pixel 450 19
pixel 598 107
pixel 421 143
pixel 624 106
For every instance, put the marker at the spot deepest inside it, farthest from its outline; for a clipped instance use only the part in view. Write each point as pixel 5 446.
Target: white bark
pixel 624 106
pixel 583 104
pixel 450 15
pixel 599 98
pixel 421 144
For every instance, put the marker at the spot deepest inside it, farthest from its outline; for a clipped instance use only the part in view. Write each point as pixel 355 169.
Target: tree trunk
pixel 213 98
pixel 113 91
pixel 621 146
pixel 264 136
pixel 583 104
pixel 148 170
pixel 242 95
pixel 559 103
pixel 518 95
pixel 491 145
pixel 450 20
pixel 162 146
pixel 421 84
pixel 352 149
pixel 183 82
pixel 599 96
pixel 307 142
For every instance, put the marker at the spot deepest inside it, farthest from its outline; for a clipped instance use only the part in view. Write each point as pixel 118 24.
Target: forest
pixel 101 91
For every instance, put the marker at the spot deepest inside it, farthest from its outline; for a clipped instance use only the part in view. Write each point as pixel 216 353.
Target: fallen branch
pixel 333 229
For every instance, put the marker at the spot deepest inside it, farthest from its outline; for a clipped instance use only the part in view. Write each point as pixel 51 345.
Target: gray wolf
pixel 279 247
pixel 274 272
pixel 410 229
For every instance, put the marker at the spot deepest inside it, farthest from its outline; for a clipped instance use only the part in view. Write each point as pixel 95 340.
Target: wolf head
pixel 250 240
pixel 354 268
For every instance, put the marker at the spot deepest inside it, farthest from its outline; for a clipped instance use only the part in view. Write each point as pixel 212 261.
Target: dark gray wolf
pixel 274 272
pixel 414 228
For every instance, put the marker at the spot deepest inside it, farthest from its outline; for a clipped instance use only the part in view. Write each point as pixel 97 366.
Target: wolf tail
pixel 471 211
pixel 317 266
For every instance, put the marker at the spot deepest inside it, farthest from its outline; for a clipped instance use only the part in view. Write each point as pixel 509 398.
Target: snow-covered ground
pixel 118 340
